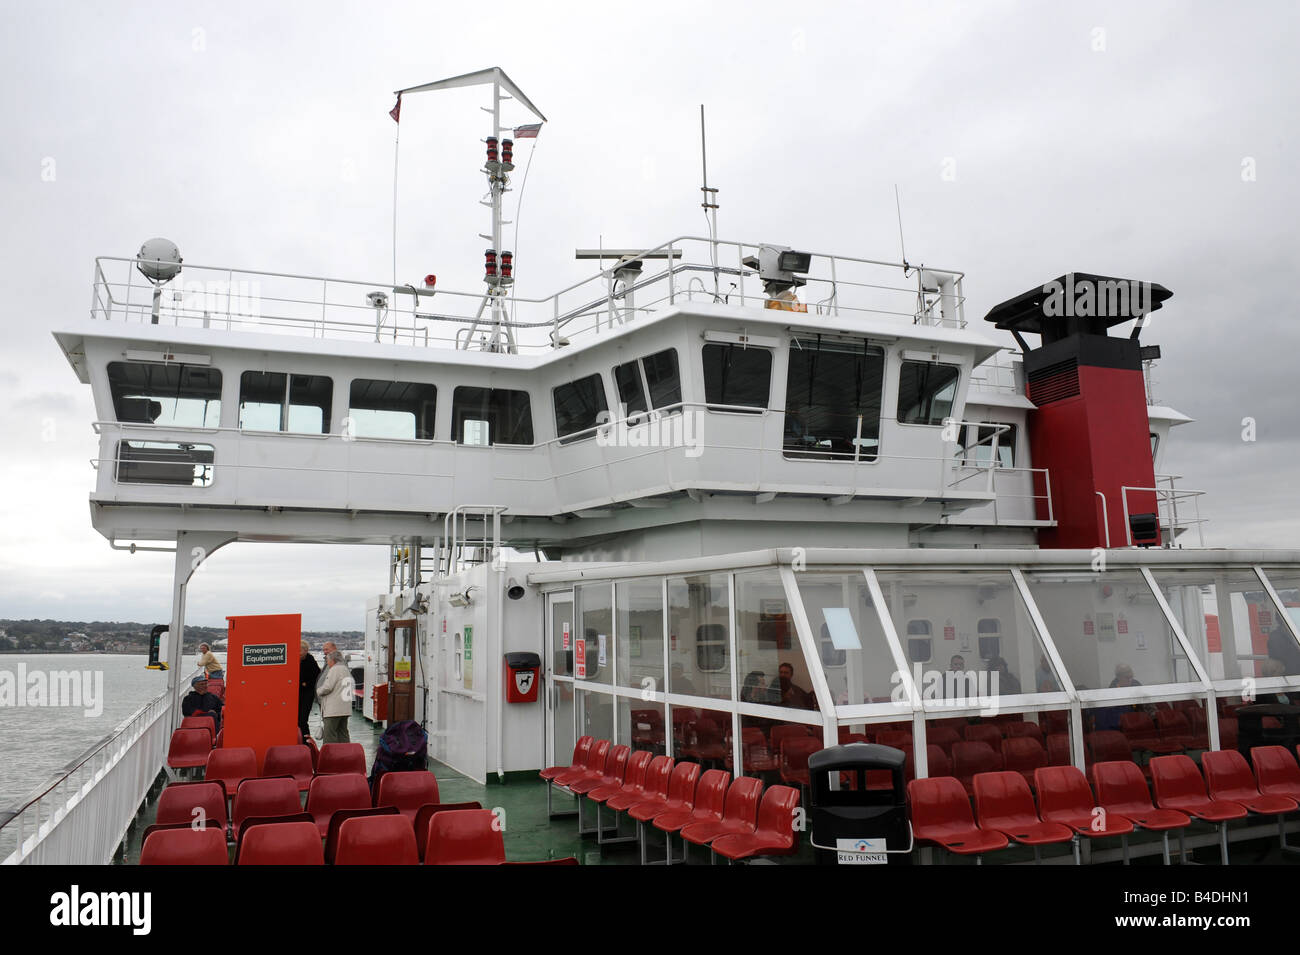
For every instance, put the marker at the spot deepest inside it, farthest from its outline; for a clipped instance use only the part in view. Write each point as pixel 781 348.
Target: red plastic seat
pixel 1065 797
pixel 468 837
pixel 176 803
pixel 990 733
pixel 677 797
pixel 281 843
pixel 739 813
pixel 939 765
pixel 710 800
pixel 342 815
pixel 1228 733
pixel 275 796
pixel 655 781
pixel 593 768
pixel 315 752
pixel 376 840
pixel 941 815
pixel 704 741
pixel 1057 721
pixel 408 791
pixel 1023 755
pixel 773 836
pixel 292 761
pixel 1004 803
pixel 1058 749
pixel 648 728
pixel 943 737
pixel 1019 728
pixel 426 813
pixel 783 731
pixel 189 748
pixel 794 759
pixel 341 758
pixel 1178 785
pixel 1277 771
pixel 580 751
pixel 1122 789
pixel 971 759
pixel 1109 746
pixel 1228 778
pixel 1141 734
pixel 615 768
pixel 633 778
pixel 231 767
pixel 1175 728
pixel 755 754
pixel 327 794
pixel 200 723
pixel 185 846
pixel 898 739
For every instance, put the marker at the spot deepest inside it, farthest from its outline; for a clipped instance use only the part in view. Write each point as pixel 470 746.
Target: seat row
pixel 1117 803
pixel 706 808
pixel 231 765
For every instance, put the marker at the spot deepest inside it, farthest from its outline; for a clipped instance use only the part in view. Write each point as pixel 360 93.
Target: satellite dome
pixel 159 260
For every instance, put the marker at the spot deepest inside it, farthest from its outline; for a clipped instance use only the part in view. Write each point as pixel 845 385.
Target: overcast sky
pixel 1150 141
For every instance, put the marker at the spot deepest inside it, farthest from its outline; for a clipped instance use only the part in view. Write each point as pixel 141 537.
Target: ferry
pixel 731 551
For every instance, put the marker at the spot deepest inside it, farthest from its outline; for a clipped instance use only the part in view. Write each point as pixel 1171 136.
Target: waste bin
pixel 1267 724
pixel 521 671
pixel 858 805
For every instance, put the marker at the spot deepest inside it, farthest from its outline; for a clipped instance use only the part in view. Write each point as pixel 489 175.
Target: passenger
pixel 1283 648
pixel 957 664
pixel 1107 718
pixel 679 683
pixel 1045 678
pixel 754 689
pixel 790 694
pixel 1008 684
pixel 308 674
pixel 209 662
pixel 335 693
pixel 199 702
pixel 1272 667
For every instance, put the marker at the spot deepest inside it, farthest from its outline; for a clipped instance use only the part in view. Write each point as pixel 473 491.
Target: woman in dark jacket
pixel 308 671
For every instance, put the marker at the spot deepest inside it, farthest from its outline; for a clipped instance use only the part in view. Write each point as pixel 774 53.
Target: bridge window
pixel 920 637
pixel 737 377
pixel 631 393
pixel 578 406
pixel 391 409
pixel 274 401
pixel 977 445
pixel 833 394
pixel 486 416
pixel 926 392
pixel 656 375
pixel 177 396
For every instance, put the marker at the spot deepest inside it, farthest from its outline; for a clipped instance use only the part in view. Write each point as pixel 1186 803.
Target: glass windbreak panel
pixel 736 377
pixel 832 405
pixel 926 391
pixel 977 445
pixel 1223 612
pixel 639 608
pixel 663 379
pixel 491 416
pixel 1108 629
pixel 578 407
pixel 1138 731
pixel 631 395
pixel 776 750
pixel 771 663
pixel 594 639
pixel 702 735
pixel 698 641
pixel 562 638
pixel 983 644
pixel 562 725
pixel 1278 642
pixel 391 409
pixel 178 396
pixel 641 725
pixel 596 715
pixel 854 654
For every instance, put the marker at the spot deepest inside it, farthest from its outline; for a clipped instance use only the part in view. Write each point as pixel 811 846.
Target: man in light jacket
pixel 335 693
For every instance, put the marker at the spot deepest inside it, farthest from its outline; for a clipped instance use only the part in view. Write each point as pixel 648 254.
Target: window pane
pixel 627 378
pixel 833 393
pixel 698 638
pixel 183 396
pixel 771 665
pixel 1108 629
pixel 165 462
pixel 595 715
pixel 491 416
pixel 663 379
pixel 734 375
pixel 1232 645
pixel 562 637
pixel 977 445
pixel 1278 642
pixel 392 409
pixel 592 604
pixel 855 657
pixel 261 400
pixel 639 605
pixel 641 725
pixel 578 405
pixel 981 641
pixel 926 391
pixel 309 404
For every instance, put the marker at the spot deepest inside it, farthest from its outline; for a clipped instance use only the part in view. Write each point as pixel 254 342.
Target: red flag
pixel 396 111
pixel 528 132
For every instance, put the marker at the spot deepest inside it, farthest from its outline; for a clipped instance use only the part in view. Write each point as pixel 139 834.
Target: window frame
pixel 928 422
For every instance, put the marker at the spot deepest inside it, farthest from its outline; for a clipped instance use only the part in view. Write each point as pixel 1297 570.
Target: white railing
pixel 694 269
pixel 1169 500
pixel 1000 373
pixel 81 816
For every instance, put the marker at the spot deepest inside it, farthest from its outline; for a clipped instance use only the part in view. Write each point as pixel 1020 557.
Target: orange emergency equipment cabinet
pixel 261 708
pixel 521 677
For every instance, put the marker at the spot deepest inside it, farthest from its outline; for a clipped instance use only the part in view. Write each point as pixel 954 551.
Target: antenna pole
pixel 710 204
pixel 902 248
